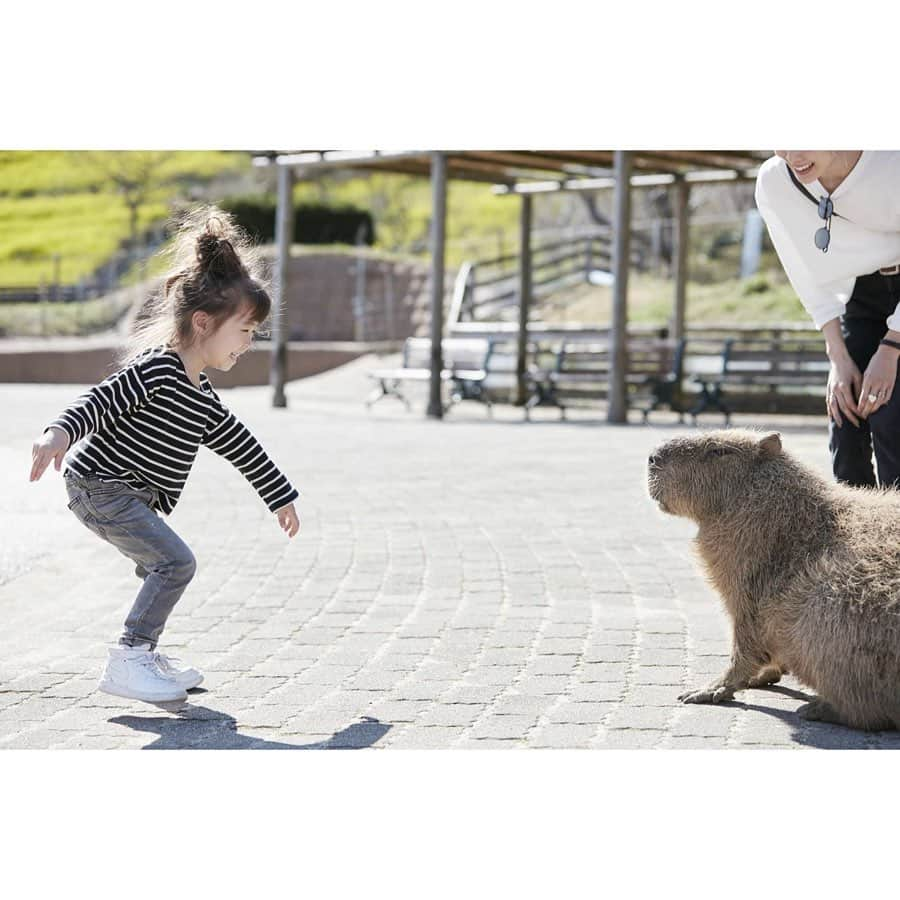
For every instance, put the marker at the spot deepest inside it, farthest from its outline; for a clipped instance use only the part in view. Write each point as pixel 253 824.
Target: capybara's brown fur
pixel 809 571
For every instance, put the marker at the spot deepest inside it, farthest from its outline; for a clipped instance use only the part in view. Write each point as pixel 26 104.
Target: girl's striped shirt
pixel 143 425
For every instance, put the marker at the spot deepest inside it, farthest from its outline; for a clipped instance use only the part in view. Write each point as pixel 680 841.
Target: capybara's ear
pixel 770 444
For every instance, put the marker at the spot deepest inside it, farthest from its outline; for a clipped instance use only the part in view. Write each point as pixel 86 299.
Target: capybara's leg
pixel 820 710
pixel 733 680
pixel 767 675
pixel 747 658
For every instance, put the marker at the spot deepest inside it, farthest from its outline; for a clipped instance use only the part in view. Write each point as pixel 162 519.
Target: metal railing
pixel 96 283
pixel 488 289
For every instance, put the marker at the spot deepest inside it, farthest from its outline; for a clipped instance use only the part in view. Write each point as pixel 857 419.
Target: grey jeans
pixel 122 515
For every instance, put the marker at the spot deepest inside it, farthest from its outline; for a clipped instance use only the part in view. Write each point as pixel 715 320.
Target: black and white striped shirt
pixel 143 426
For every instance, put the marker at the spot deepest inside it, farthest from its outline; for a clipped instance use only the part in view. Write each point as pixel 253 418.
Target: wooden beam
pixel 284 235
pixel 703 159
pixel 524 298
pixel 617 412
pixel 524 159
pixel 438 244
pixel 682 200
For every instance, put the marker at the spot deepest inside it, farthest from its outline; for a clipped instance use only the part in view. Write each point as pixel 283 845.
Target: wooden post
pixel 438 223
pixel 682 198
pixel 618 400
pixel 524 298
pixel 284 234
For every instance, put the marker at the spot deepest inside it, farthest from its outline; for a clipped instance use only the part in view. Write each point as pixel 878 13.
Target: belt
pixel 891 270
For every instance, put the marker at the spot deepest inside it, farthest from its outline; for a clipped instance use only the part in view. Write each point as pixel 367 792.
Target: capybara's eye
pixel 718 451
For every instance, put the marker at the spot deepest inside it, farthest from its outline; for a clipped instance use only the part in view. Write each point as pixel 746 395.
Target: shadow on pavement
pixel 201 728
pixel 821 735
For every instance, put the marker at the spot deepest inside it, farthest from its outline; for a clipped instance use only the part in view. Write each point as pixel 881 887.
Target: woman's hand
pixel 844 381
pixel 288 519
pixel 51 445
pixel 878 380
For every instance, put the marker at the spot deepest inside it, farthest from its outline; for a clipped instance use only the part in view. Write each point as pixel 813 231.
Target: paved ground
pixel 463 584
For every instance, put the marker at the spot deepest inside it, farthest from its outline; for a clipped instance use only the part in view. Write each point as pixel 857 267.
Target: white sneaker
pixel 185 676
pixel 134 673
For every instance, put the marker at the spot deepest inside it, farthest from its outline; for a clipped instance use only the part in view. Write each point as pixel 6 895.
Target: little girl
pixel 139 432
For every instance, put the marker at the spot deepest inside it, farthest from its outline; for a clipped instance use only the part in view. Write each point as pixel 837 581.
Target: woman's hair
pixel 215 269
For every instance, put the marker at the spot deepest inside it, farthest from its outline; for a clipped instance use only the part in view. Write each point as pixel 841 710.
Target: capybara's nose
pixel 654 458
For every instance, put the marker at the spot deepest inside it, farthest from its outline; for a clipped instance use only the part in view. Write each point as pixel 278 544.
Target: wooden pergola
pixel 523 173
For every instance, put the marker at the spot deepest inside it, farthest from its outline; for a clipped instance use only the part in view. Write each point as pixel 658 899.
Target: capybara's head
pixel 705 475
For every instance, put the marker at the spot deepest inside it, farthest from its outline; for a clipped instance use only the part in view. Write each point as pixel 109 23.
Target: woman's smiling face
pixel 808 165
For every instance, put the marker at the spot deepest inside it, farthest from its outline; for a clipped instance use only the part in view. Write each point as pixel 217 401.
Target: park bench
pixel 764 368
pixel 582 369
pixel 482 369
pixel 464 369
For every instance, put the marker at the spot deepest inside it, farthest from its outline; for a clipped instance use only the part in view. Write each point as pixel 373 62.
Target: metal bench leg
pixel 385 390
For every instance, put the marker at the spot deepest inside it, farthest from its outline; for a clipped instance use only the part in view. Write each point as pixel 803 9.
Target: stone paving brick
pixel 503 727
pixel 553 665
pixel 660 657
pixel 425 738
pixel 609 653
pixel 651 695
pixel 602 691
pixel 672 675
pixel 456 714
pixel 592 672
pixel 523 704
pixel 693 742
pixel 543 684
pixel 478 694
pixel 626 739
pixel 695 720
pixel 421 690
pixel 562 737
pixel 652 717
pixel 487 675
pixel 399 710
pixel 580 713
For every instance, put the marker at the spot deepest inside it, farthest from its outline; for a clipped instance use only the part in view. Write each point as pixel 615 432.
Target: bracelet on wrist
pixel 889 343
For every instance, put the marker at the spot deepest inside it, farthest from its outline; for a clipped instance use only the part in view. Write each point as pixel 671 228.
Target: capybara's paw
pixel 714 694
pixel 819 711
pixel 769 675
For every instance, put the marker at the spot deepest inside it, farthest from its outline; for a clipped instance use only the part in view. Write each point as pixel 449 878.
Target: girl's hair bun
pixel 216 256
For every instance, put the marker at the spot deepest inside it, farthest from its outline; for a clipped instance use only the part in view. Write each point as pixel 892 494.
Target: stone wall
pixel 90 365
pixel 322 288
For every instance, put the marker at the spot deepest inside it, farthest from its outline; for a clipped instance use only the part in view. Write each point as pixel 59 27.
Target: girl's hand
pixel 288 519
pixel 878 380
pixel 51 445
pixel 843 389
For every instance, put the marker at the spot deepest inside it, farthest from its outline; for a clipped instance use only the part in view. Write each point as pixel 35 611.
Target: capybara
pixel 809 571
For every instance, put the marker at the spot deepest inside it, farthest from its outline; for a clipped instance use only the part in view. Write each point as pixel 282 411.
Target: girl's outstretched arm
pixel 230 438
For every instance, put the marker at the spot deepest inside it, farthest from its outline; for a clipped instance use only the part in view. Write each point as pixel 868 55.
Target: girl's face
pixel 222 347
pixel 808 165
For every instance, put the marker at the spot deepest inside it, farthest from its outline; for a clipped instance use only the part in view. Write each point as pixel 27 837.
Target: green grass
pixel 55 203
pixel 763 298
pixel 478 221
pixel 25 172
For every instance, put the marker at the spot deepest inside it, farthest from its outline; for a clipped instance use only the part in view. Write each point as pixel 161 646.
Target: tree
pixel 136 175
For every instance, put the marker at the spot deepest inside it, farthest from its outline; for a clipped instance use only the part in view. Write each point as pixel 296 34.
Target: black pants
pixel 863 326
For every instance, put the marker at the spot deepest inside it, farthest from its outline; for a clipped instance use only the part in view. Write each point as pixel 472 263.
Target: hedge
pixel 313 223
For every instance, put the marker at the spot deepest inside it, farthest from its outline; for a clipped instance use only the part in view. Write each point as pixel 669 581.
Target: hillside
pixel 66 204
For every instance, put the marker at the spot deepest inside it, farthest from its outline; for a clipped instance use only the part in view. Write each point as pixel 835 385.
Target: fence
pixel 98 281
pixel 489 290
